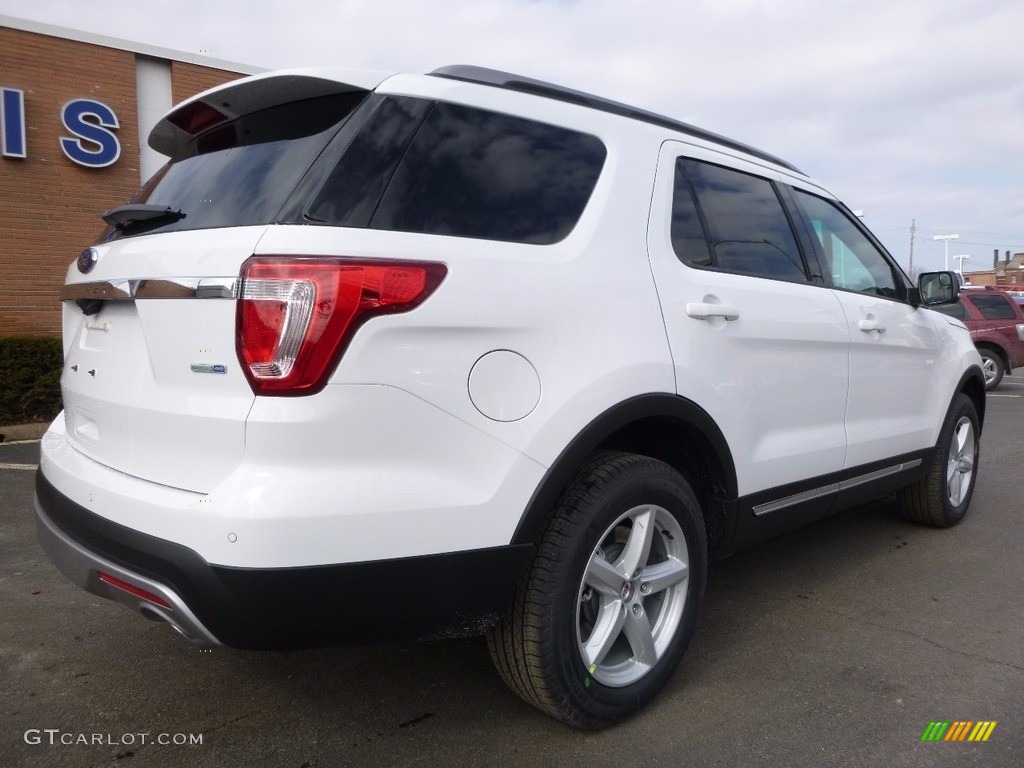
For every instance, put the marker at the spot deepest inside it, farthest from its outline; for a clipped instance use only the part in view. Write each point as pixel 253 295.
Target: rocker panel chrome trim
pixel 815 493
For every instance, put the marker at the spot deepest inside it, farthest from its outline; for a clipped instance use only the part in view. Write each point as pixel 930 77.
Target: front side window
pixel 743 219
pixel 853 261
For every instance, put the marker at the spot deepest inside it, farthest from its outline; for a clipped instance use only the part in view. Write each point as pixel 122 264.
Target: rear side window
pixel 688 238
pixel 743 218
pixel 993 307
pixel 471 173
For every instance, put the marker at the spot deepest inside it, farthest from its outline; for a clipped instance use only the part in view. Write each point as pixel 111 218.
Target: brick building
pixel 1007 274
pixel 75 109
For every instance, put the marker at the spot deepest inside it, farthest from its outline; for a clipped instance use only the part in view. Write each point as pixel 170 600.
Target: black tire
pixel 594 536
pixel 942 496
pixel 993 368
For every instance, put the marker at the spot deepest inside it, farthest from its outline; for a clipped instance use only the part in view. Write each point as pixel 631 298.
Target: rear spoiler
pixel 225 103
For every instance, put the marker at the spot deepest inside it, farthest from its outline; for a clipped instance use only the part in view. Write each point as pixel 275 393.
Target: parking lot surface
pixel 835 645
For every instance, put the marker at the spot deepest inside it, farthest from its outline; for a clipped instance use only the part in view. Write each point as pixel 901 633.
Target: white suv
pixel 467 352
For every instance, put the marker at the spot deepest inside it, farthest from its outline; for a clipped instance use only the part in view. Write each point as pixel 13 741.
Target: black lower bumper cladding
pixel 449 594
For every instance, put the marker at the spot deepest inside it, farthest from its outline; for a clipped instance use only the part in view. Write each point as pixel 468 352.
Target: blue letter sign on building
pixel 108 148
pixel 12 122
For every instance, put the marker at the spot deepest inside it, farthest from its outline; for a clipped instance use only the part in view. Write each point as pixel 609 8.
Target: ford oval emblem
pixel 87 260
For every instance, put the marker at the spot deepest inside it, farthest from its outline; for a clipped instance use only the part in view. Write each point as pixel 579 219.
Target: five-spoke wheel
pixel 960 466
pixel 608 606
pixel 632 596
pixel 941 497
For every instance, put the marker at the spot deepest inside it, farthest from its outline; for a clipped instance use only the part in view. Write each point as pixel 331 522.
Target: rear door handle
pixel 700 311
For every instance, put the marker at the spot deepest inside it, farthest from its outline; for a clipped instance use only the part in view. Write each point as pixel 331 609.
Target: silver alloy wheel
pixel 960 464
pixel 988 367
pixel 632 595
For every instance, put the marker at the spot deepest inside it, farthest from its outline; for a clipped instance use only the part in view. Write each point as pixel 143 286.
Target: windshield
pixel 241 173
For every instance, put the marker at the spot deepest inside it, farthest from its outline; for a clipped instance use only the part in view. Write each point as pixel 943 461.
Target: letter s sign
pixel 94 146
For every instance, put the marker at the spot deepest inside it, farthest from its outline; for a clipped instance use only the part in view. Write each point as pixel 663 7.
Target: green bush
pixel 30 369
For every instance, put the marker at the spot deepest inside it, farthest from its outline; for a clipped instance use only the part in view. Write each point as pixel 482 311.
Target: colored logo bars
pixel 959 730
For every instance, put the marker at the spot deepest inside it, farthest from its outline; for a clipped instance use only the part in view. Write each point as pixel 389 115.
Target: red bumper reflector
pixel 132 589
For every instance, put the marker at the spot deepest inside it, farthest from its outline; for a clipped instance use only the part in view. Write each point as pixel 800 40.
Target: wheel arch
pixel 666 427
pixel 996 349
pixel 972 384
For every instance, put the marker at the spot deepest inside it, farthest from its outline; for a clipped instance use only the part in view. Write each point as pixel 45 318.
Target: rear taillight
pixel 296 315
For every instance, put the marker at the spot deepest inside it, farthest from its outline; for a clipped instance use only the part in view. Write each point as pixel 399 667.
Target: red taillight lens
pixel 296 315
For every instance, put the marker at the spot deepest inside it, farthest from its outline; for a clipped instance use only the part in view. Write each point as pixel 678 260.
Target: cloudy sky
pixel 909 110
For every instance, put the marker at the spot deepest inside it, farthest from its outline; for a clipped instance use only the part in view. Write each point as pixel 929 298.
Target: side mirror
pixel 937 288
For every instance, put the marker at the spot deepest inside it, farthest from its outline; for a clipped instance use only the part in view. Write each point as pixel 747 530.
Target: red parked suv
pixel 996 323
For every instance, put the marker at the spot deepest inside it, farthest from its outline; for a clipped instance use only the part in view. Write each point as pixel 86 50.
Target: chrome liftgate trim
pixel 164 288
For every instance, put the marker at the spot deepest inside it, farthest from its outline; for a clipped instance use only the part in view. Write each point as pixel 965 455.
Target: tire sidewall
pixel 599 704
pixel 988 354
pixel 962 406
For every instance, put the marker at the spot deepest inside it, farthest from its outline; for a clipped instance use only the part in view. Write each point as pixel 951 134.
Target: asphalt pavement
pixel 836 645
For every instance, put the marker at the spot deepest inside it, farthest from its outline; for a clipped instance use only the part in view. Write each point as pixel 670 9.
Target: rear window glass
pixel 243 172
pixel 466 172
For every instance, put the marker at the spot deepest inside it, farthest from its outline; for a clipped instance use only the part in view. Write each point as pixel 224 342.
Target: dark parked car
pixel 996 323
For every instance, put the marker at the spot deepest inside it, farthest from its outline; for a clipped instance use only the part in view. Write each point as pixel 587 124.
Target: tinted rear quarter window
pixel 351 193
pixel 474 173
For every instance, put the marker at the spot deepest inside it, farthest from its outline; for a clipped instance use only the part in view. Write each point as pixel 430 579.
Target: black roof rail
pixel 499 79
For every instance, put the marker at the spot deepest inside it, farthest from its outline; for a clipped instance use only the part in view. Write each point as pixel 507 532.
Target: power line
pixel 996 243
pixel 980 233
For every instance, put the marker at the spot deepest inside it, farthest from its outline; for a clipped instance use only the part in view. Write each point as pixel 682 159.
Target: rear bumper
pixel 357 473
pixel 83 567
pixel 450 594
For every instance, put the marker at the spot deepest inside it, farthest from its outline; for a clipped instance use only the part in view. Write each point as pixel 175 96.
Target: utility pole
pixel 913 231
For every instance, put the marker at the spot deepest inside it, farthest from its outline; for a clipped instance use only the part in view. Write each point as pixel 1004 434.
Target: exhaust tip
pixel 154 614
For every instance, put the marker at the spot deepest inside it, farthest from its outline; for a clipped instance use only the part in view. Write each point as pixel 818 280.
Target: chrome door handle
pixel 700 311
pixel 870 325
